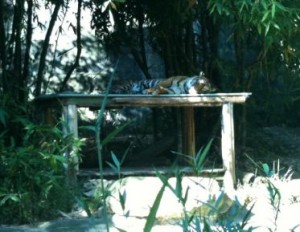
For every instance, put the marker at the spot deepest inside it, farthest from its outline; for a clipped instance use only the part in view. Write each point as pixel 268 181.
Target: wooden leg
pixel 179 131
pixel 49 116
pixel 188 131
pixel 228 151
pixel 70 126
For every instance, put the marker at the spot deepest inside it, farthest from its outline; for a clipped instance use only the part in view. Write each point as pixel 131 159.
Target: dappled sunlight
pixel 98 132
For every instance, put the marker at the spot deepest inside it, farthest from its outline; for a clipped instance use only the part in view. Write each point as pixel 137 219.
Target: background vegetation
pixel 241 45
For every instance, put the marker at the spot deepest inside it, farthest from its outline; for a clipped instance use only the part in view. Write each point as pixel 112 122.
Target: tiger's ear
pixel 201 74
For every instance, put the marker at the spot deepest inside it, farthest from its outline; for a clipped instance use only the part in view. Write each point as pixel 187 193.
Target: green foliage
pixel 198 161
pixel 265 55
pixel 266 16
pixel 114 133
pixel 241 45
pixel 269 175
pixel 99 145
pixel 32 173
pixel 117 164
pixel 220 214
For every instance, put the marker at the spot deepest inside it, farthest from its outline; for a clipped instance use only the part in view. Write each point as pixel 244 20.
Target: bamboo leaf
pixel 125 154
pixel 266 169
pixel 259 28
pixel 197 224
pixel 275 25
pixel 114 133
pixel 247 216
pixel 122 199
pixel 113 5
pixel 206 226
pixel 84 205
pixel 12 197
pixel 115 160
pixel 152 214
pixel 201 156
pixel 266 14
pixel 178 187
pixel 219 8
pixel 164 180
pixel 264 4
pixel 186 196
pixel 273 10
pixel 280 6
pixel 219 200
pixel 113 167
pixel 267 29
pixel 242 7
pixel 206 149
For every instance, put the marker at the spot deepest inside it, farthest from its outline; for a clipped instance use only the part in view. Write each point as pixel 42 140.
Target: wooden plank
pixel 147 171
pixel 115 100
pixel 177 100
pixel 228 150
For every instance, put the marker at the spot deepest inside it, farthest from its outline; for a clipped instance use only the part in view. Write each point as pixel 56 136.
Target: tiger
pixel 134 87
pixel 172 85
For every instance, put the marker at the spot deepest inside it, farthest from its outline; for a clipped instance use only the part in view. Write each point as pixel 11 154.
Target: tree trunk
pixel 39 80
pixel 3 48
pixel 27 48
pixel 78 32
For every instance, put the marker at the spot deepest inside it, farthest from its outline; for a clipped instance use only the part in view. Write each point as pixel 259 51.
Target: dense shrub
pixel 32 173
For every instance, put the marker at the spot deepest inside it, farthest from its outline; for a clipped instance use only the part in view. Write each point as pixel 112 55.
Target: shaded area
pixel 151 142
pixel 270 145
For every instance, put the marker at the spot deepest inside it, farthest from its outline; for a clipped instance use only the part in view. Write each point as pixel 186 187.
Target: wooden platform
pixel 69 102
pixel 121 100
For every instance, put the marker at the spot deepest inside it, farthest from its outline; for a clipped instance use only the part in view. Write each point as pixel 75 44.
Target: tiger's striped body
pixel 172 85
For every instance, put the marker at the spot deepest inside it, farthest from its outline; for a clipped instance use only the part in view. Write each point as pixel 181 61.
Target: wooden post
pixel 50 120
pixel 228 151
pixel 70 127
pixel 179 131
pixel 188 131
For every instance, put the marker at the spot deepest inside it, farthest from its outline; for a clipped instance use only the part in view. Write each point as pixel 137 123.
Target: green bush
pixel 32 173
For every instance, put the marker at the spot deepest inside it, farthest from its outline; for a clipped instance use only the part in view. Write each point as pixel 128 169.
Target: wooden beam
pixel 119 100
pixel 228 150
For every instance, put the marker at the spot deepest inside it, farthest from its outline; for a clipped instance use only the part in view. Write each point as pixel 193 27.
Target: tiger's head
pixel 199 84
